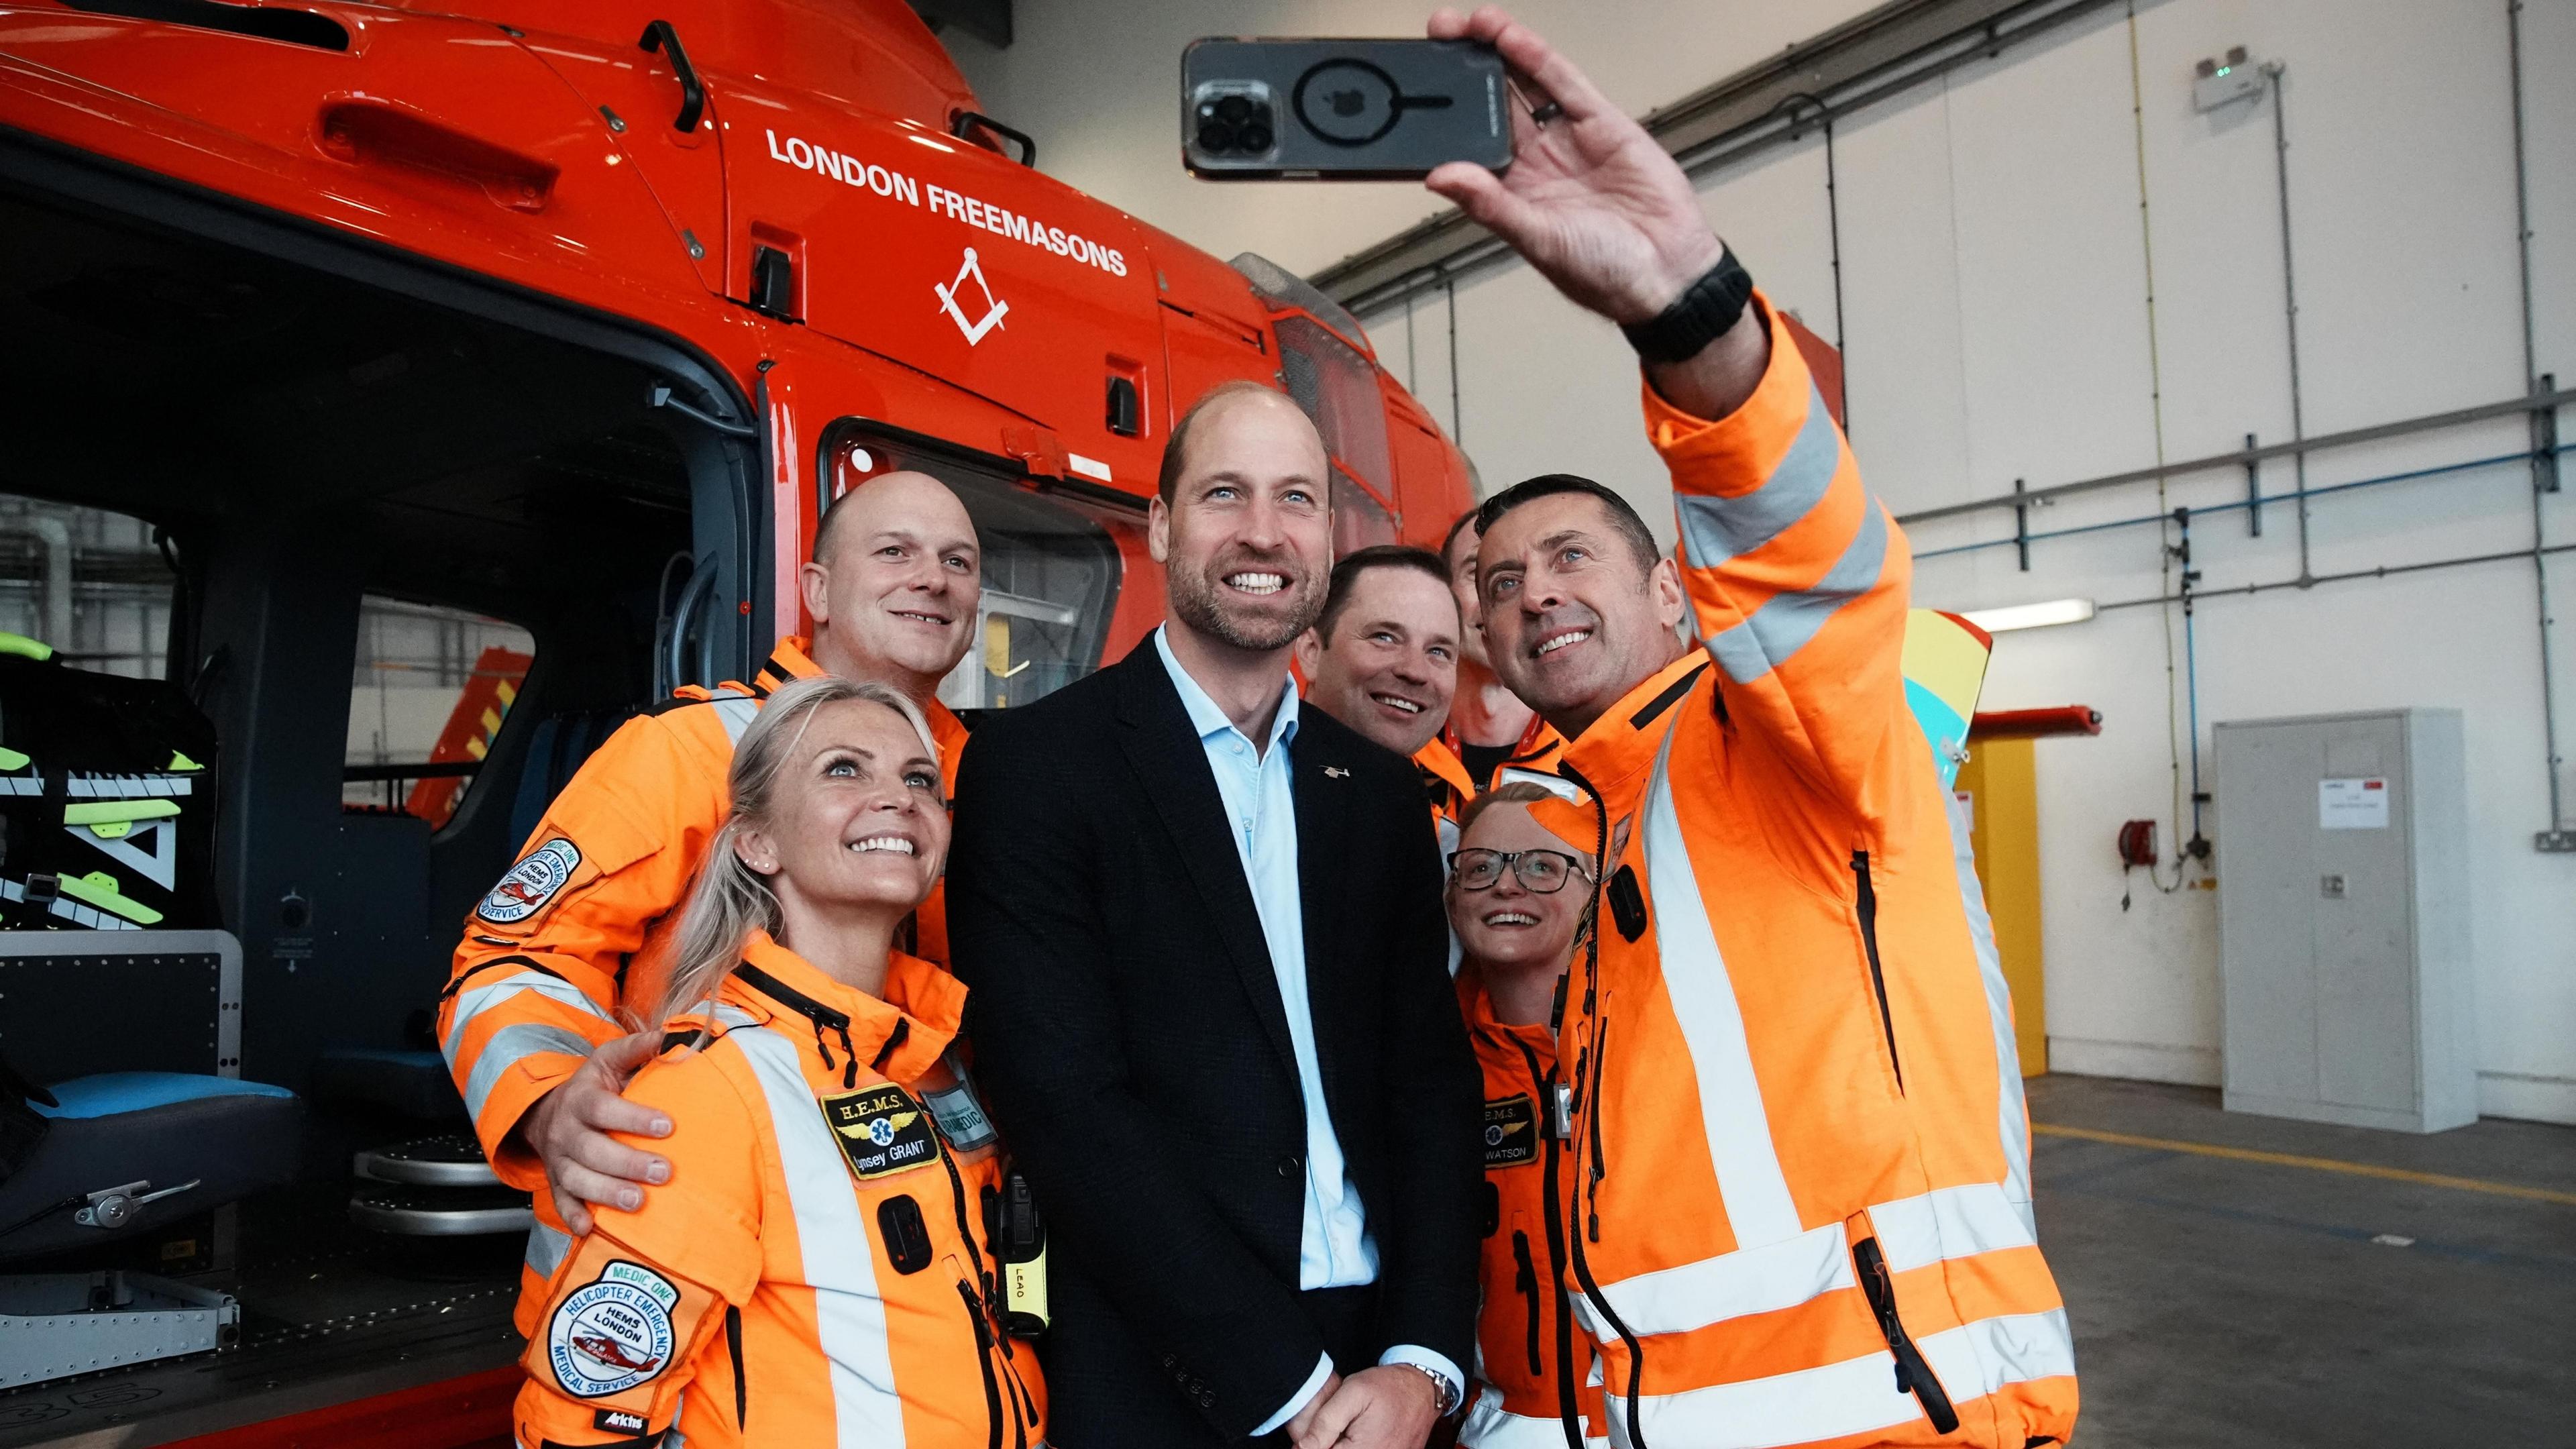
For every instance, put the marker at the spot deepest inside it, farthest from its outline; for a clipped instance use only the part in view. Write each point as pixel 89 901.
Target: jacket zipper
pixel 1913 1374
pixel 1554 1222
pixel 1525 1279
pixel 991 1336
pixel 984 1361
pixel 1591 1105
pixel 1867 904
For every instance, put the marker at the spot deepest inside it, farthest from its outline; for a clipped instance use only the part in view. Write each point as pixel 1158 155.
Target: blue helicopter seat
pixel 110 1131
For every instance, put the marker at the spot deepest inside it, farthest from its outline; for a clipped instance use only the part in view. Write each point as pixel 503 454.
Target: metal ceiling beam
pixel 1869 58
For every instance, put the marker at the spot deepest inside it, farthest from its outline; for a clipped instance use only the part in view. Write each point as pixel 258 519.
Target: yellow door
pixel 2002 796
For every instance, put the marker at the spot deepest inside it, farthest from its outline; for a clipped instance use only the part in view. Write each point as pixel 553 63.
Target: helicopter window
pixel 89 584
pixel 1050 570
pixel 431 688
pixel 1338 388
pixel 1358 519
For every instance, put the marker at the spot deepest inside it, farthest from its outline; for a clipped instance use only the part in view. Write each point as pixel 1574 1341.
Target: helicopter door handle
pixel 659 35
pixel 692 598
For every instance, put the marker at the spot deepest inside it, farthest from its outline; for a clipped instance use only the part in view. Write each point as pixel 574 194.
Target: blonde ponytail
pixel 729 899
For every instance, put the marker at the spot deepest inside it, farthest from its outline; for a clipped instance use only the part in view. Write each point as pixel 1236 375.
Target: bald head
pixel 896 576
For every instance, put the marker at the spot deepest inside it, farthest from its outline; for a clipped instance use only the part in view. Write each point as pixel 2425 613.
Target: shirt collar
pixel 1207 717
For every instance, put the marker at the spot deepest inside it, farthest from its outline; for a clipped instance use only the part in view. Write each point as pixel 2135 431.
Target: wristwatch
pixel 1440 1385
pixel 1704 312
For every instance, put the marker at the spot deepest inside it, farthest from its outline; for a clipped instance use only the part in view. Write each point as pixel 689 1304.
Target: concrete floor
pixel 2222 1302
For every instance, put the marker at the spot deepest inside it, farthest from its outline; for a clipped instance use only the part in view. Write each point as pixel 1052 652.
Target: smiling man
pixel 1383 656
pixel 1804 1213
pixel 580 926
pixel 1202 926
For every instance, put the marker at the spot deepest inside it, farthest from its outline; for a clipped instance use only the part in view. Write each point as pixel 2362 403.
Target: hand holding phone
pixel 1342 109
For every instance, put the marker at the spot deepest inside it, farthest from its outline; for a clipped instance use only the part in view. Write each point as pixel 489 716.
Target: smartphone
pixel 1375 110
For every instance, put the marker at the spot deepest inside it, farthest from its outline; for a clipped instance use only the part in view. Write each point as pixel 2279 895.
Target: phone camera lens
pixel 1233 110
pixel 1256 137
pixel 1215 137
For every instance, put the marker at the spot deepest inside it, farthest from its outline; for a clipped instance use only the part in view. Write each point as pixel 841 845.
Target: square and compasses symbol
pixel 994 308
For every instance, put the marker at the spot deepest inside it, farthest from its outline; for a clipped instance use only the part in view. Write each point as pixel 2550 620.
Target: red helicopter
pixel 573 315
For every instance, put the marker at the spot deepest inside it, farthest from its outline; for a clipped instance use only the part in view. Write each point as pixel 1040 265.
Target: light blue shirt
pixel 1335 1249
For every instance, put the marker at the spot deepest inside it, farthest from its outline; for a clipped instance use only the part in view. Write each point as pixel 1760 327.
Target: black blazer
pixel 1131 1044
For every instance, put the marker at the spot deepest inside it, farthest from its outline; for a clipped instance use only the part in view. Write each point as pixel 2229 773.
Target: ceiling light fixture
pixel 2031 616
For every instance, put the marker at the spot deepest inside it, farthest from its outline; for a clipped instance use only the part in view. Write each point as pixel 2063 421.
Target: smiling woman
pixel 805 1062
pixel 838 828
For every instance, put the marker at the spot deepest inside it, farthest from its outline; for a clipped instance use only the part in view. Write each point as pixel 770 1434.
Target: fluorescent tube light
pixel 2031 616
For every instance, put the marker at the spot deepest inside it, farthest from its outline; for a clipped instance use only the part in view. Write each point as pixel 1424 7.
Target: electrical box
pixel 2343 919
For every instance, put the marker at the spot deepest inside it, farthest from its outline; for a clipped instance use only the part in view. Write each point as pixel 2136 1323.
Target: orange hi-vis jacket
pixel 1533 1386
pixel 1802 1214
pixel 577 929
pixel 819 1269
pixel 1446 779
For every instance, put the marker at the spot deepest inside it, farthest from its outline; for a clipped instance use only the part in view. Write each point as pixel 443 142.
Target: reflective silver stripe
pixel 1489 1425
pixel 730 1016
pixel 737 710
pixel 1716 529
pixel 1951 1222
pixel 849 1311
pixel 1914 1232
pixel 511 1045
pixel 1856 1395
pixel 1731 1285
pixel 1779 629
pixel 477 1000
pixel 546 1249
pixel 1759 1209
pixel 2013 1114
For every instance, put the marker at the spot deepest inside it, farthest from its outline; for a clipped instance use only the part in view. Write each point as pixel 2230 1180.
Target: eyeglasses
pixel 1541 872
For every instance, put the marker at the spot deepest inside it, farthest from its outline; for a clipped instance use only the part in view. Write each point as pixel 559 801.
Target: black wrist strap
pixel 1702 314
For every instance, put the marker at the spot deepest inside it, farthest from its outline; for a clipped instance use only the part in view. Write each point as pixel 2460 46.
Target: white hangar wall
pixel 1996 326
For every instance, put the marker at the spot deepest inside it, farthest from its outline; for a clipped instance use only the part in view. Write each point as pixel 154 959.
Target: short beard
pixel 1195 600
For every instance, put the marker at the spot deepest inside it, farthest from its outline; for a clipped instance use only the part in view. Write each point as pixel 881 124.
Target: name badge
pixel 882 1131
pixel 1511 1132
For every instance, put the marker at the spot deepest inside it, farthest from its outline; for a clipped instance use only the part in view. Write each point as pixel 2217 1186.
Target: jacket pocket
pixel 1525 1280
pixel 1913 1373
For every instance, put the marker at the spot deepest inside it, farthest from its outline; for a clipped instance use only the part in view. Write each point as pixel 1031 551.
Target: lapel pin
pixel 1336 772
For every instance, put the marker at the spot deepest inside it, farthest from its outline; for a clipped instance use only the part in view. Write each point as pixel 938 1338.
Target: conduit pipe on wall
pixel 2544 452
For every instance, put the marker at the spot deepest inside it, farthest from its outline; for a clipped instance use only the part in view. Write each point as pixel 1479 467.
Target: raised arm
pixel 1796 573
pixel 1797 576
pixel 1031 945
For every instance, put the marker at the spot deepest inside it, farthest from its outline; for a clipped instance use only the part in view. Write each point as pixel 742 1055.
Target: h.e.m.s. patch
pixel 613 1332
pixel 531 883
pixel 882 1131
pixel 1511 1132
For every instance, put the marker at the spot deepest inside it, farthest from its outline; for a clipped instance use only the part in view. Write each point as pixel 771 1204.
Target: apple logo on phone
pixel 1347 102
